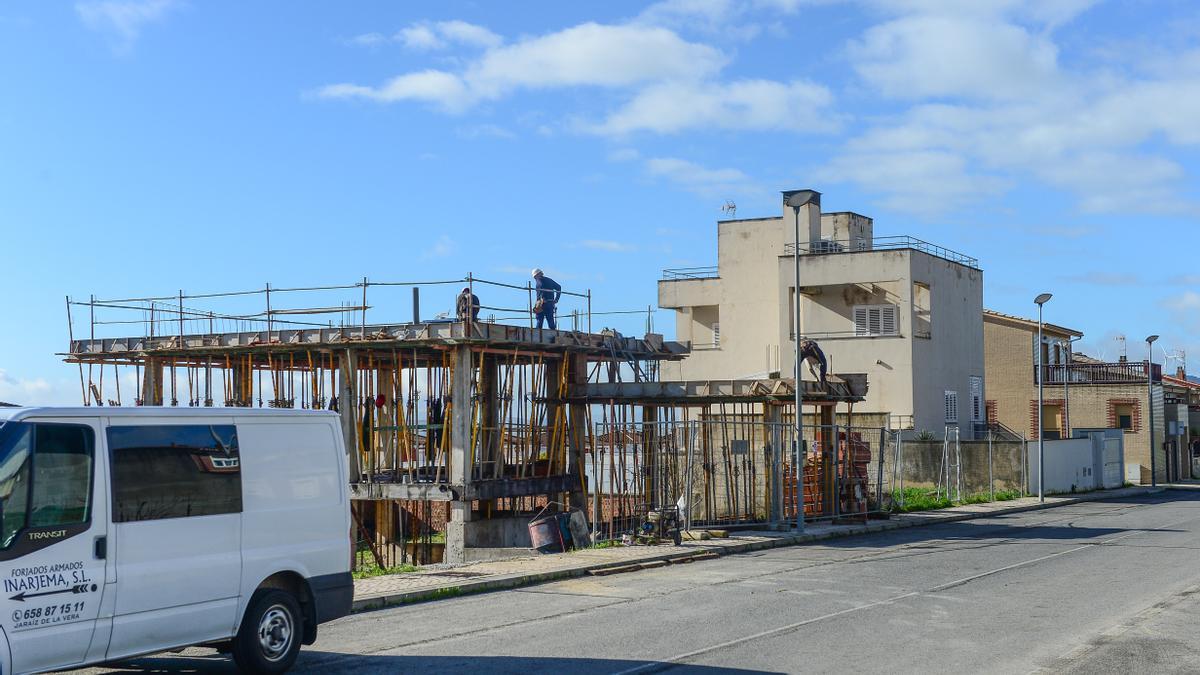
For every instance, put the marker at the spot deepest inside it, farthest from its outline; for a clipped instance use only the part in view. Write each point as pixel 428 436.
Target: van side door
pixel 53 527
pixel 177 531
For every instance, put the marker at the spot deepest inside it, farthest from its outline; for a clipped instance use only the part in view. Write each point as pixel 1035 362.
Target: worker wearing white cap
pixel 546 298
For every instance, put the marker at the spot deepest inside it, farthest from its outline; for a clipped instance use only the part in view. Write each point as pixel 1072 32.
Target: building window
pixel 872 320
pixel 952 407
pixel 1124 416
pixel 174 471
pixel 922 311
pixel 976 398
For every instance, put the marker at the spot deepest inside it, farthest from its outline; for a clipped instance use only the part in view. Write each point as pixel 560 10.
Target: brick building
pixel 1079 392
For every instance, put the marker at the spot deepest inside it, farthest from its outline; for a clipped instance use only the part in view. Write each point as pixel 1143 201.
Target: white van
pixel 128 531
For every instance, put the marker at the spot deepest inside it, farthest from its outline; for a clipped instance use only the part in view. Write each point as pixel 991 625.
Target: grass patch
pixel 984 497
pixel 918 499
pixel 608 543
pixel 926 499
pixel 366 570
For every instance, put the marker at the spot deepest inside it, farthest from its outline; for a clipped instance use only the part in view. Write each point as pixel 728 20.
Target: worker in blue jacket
pixel 545 298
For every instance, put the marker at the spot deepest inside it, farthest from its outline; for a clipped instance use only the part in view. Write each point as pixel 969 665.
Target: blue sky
pixel 148 146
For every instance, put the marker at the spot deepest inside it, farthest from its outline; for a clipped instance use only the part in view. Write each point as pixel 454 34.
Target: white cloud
pixel 123 19
pixel 427 36
pixel 443 247
pixel 585 55
pixel 420 36
pixel 485 131
pixel 924 182
pixel 922 56
pixel 1007 110
pixel 465 33
pixel 718 18
pixel 755 105
pixel 38 390
pixel 430 86
pixel 1188 301
pixel 623 155
pixel 699 179
pixel 368 40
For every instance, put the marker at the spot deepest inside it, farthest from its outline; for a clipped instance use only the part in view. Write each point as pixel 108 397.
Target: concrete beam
pixel 389 336
pixel 851 388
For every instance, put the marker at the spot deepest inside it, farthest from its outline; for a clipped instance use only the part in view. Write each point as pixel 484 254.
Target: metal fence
pixel 732 472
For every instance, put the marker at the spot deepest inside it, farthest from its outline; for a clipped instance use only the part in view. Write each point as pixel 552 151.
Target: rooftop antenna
pixel 1177 355
pixel 729 209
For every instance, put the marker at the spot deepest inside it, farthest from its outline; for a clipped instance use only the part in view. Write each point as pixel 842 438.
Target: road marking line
pixel 674 660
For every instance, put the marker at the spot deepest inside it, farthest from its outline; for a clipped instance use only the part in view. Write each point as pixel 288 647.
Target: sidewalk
pixel 397 589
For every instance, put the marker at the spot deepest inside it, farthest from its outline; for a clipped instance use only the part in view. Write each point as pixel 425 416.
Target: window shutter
pixel 887 320
pixel 951 407
pixel 876 320
pixel 716 330
pixel 976 398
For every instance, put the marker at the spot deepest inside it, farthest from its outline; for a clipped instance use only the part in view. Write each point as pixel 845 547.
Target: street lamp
pixel 797 200
pixel 1150 396
pixel 1041 369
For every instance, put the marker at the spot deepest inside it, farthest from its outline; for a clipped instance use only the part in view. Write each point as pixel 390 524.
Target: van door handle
pixel 101 549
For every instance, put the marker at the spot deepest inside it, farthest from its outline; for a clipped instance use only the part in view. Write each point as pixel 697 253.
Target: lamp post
pixel 1150 404
pixel 1041 370
pixel 797 200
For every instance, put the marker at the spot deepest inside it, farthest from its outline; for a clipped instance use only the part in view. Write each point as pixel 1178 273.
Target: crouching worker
pixel 814 357
pixel 467 305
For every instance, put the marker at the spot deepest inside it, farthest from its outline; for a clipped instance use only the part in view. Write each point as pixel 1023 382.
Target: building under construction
pixel 460 429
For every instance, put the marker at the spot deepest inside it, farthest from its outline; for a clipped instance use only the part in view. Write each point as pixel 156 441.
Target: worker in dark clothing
pixel 467 305
pixel 545 298
pixel 811 354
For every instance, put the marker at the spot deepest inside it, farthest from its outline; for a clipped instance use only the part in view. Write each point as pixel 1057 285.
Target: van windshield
pixel 16 452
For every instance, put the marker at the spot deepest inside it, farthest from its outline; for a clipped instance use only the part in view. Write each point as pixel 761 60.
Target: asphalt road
pixel 1110 586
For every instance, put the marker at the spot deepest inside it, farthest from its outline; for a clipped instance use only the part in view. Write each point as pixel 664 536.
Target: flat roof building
pixel 907 313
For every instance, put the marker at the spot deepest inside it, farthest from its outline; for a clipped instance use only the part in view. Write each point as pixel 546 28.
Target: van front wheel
pixel 269 638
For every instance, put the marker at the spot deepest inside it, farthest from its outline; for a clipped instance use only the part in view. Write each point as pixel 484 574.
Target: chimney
pixel 1180 373
pixel 808 203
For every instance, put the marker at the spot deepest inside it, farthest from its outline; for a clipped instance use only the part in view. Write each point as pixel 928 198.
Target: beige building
pixel 1078 392
pixel 903 311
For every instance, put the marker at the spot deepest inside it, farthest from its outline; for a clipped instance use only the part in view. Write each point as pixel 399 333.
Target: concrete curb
pixel 920 519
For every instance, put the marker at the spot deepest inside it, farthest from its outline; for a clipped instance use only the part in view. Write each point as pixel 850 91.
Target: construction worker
pixel 467 305
pixel 811 354
pixel 545 299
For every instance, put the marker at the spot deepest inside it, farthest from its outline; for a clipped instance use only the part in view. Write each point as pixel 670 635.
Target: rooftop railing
pixel 831 246
pixel 1122 372
pixel 681 273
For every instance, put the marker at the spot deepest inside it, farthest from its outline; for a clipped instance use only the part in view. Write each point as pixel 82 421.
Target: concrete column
pixel 577 434
pixel 489 402
pixel 773 417
pixel 649 455
pixel 459 421
pixel 828 436
pixel 385 418
pixel 348 409
pixel 551 375
pixel 152 382
pixel 243 384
